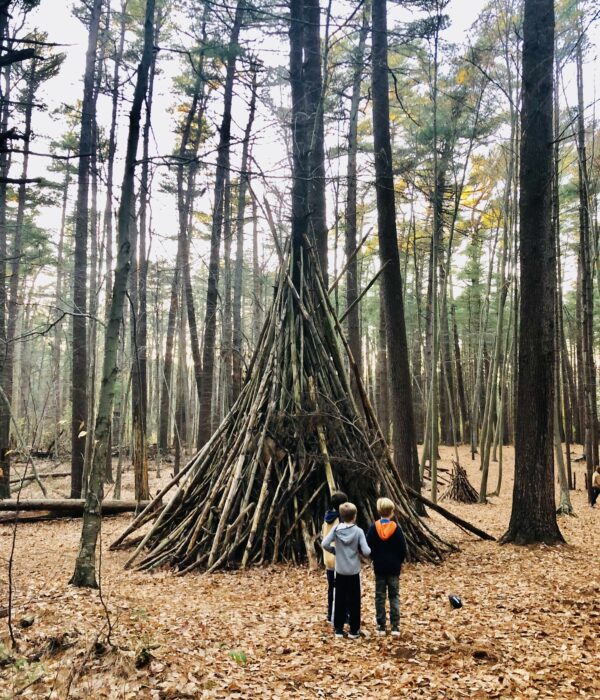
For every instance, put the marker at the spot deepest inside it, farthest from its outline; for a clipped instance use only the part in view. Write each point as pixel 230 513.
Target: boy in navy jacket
pixel 388 551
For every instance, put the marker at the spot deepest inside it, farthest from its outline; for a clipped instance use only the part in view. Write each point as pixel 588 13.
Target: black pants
pixel 595 494
pixel 330 589
pixel 347 602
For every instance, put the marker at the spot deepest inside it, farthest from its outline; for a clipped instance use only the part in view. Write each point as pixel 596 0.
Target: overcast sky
pixel 57 20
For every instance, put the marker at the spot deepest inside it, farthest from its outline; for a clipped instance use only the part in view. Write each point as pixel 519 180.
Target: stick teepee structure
pixel 460 488
pixel 256 492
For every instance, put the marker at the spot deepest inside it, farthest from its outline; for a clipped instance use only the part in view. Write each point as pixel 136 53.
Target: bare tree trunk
pixel 85 565
pixel 210 321
pixel 79 365
pixel 226 364
pixel 180 397
pixel 587 300
pixel 382 395
pixel 462 397
pixel 239 253
pixel 139 277
pixel 313 86
pixel 4 170
pixel 257 296
pixel 533 516
pixel 184 205
pixel 57 340
pixel 405 449
pixel 110 167
pixel 351 218
pixel 12 299
pixel 167 373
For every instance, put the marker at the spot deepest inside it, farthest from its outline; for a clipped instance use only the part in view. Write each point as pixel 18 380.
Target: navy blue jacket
pixel 388 547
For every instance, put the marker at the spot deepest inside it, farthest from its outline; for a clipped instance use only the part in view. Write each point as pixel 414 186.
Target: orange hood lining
pixel 385 530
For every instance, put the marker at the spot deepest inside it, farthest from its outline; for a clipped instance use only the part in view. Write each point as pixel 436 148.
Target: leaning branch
pixel 459 522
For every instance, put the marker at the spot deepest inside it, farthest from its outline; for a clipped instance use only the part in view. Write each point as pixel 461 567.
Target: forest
pixel 253 254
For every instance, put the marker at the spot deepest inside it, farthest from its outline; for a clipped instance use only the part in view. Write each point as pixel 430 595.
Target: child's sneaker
pixel 354 635
pixel 339 635
pixel 395 632
pixel 381 631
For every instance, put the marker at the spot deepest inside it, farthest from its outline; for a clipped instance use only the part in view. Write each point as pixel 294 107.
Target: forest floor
pixel 529 627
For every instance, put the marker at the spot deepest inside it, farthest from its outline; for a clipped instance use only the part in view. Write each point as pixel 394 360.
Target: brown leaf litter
pixel 528 628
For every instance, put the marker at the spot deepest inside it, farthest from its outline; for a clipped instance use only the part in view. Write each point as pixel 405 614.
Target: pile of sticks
pixel 460 488
pixel 257 491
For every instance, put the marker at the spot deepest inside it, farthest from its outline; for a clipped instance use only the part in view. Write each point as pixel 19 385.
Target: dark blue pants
pixel 347 602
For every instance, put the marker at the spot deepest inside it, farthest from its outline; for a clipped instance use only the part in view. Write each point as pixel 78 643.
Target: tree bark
pixel 85 565
pixel 586 258
pixel 405 449
pixel 210 320
pixel 4 170
pixel 12 300
pixel 533 516
pixel 239 253
pixel 139 277
pixel 351 200
pixel 313 93
pixel 79 363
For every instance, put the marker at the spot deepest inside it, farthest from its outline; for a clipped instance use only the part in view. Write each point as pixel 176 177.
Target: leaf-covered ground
pixel 529 627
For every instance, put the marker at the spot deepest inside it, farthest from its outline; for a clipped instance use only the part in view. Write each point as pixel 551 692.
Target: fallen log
pixel 72 506
pixel 42 475
pixel 34 516
pixel 459 522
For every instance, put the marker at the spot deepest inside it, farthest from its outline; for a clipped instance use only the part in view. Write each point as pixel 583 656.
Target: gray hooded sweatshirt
pixel 349 541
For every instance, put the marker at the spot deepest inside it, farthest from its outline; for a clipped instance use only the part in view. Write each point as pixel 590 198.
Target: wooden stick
pixel 463 524
pixel 362 294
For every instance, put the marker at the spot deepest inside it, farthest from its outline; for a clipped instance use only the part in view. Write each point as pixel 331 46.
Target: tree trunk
pixel 462 397
pixel 139 277
pixel 12 300
pixel 210 320
pixel 239 253
pixel 351 218
pixel 4 346
pixel 185 187
pixel 315 144
pixel 533 516
pixel 382 394
pixel 586 257
pixel 79 366
pixel 85 565
pixel 405 449
pixel 226 364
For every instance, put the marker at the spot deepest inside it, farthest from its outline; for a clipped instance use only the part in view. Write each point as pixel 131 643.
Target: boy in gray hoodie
pixel 347 541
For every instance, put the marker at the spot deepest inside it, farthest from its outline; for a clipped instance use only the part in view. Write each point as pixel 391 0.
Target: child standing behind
pixel 332 518
pixel 347 540
pixel 388 551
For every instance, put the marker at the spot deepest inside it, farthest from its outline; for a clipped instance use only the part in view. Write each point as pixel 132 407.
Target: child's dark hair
pixel 337 498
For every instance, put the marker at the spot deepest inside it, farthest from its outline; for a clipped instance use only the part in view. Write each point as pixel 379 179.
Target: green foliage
pixel 239 657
